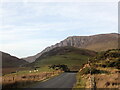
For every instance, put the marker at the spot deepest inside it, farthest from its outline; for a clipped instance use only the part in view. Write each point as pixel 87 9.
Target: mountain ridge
pixel 99 42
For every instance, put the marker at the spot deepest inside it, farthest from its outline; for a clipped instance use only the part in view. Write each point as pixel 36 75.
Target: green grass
pixel 81 82
pixel 41 69
pixel 70 56
pixel 70 59
pixel 105 63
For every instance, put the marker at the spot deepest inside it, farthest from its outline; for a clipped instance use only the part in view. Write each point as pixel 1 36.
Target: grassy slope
pixel 103 42
pixel 103 46
pixel 11 63
pixel 72 60
pixel 25 72
pixel 73 57
pixel 103 62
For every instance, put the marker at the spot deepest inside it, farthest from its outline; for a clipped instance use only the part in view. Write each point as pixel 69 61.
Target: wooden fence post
pixel 13 78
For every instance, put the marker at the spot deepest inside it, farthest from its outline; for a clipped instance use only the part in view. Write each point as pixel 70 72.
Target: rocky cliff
pixel 98 42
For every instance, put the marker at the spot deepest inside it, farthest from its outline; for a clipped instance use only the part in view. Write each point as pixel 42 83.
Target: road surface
pixel 65 80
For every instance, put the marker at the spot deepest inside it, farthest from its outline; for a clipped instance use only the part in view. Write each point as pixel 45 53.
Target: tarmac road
pixel 64 80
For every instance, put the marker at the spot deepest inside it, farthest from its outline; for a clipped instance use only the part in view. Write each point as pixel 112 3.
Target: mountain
pixel 71 56
pixel 11 61
pixel 100 42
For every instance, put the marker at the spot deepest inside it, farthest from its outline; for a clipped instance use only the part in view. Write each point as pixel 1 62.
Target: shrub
pixel 114 63
pixel 60 67
pixel 92 71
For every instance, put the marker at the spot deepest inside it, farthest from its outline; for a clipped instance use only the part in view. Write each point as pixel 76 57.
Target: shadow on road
pixel 71 71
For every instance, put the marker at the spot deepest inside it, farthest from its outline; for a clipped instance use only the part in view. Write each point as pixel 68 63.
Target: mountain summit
pixel 100 42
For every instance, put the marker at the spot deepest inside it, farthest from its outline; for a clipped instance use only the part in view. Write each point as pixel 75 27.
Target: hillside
pixel 71 56
pixel 102 71
pixel 100 42
pixel 11 63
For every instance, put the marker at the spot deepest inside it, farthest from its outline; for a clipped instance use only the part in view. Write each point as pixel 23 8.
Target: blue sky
pixel 28 28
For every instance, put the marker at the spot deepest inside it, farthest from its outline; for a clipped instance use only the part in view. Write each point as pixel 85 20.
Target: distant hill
pixel 11 61
pixel 100 42
pixel 71 56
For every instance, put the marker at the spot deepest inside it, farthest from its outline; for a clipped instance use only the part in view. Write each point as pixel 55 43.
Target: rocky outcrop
pixel 99 42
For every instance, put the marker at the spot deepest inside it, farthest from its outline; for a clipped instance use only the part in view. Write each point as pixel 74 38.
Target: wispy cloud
pixel 25 25
pixel 22 48
pixel 59 1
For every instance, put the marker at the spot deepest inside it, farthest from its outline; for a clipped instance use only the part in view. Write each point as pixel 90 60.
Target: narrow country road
pixel 65 80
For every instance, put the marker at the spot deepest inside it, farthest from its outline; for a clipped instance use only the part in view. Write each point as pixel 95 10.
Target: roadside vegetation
pixel 60 67
pixel 49 64
pixel 26 78
pixel 101 71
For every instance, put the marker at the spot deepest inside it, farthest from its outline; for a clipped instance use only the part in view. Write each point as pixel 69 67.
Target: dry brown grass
pixel 8 70
pixel 110 80
pixel 15 81
pixel 107 81
pixel 13 69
